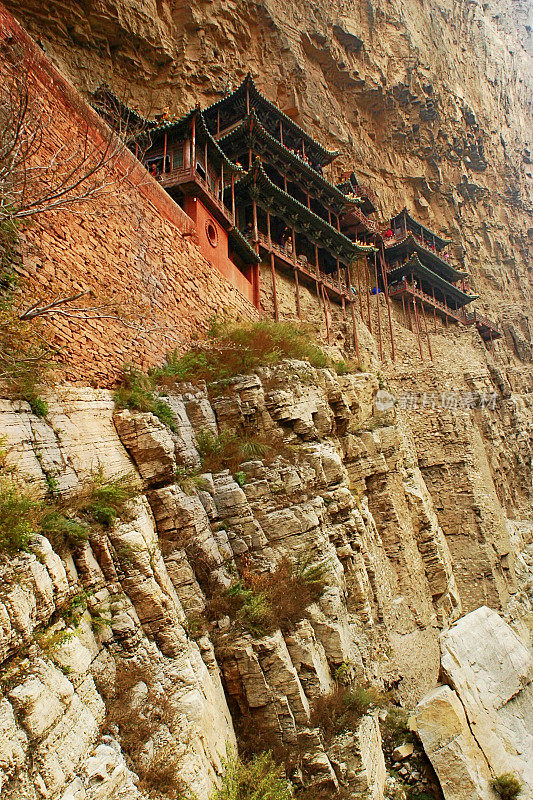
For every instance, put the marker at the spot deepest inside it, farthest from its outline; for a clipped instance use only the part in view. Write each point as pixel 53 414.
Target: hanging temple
pixel 254 184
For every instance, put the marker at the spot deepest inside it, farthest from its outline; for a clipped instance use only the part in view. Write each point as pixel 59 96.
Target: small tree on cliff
pixel 42 173
pixel 38 172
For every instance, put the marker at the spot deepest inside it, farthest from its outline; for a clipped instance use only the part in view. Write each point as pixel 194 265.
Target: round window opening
pixel 212 233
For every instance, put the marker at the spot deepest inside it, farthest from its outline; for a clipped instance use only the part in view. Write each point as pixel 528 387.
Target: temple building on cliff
pixel 254 183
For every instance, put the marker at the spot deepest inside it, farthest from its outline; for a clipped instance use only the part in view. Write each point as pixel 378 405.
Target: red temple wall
pixel 217 253
pixel 132 248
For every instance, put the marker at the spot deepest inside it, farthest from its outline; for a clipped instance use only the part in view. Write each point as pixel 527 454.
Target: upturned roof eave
pixel 415 264
pixel 404 210
pixel 257 171
pixel 326 156
pixel 315 176
pixel 410 238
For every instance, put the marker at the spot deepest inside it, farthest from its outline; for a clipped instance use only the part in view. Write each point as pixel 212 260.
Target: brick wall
pixel 132 247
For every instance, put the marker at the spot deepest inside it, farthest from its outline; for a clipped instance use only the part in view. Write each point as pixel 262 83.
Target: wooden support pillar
pixel 446 315
pixel 281 131
pixel 297 287
pixel 233 198
pixel 257 274
pixel 247 97
pixel 165 153
pixel 222 182
pixel 272 269
pixel 417 322
pixel 308 202
pixel 285 182
pixel 434 308
pixel 426 328
pixel 325 312
pixel 218 122
pixel 359 289
pixel 339 275
pixel 250 158
pixel 193 145
pixel 274 292
pixel 293 235
pixel 387 299
pixel 329 216
pixel 205 163
pixel 355 337
pixel 409 315
pixel 405 223
pixel 380 343
pixel 367 277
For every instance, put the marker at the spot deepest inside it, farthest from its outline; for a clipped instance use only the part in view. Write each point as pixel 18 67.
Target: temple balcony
pixel 487 329
pixel 192 183
pixel 409 290
pixel 289 261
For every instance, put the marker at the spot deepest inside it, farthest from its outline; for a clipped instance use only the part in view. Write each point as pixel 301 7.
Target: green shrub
pixel 343 709
pixel 60 530
pixel 136 393
pixel 507 786
pixel 240 478
pixel 259 779
pixel 263 602
pixel 37 404
pixel 229 450
pixel 189 479
pixel 235 349
pixel 103 500
pixel 19 514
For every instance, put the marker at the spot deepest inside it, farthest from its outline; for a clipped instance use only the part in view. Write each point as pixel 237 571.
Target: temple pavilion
pixel 253 181
pixel 255 184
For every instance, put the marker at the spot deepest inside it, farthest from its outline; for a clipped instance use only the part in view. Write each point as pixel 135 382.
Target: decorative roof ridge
pixel 406 211
pixel 356 201
pixel 330 154
pixel 198 113
pixel 432 253
pixel 257 169
pixel 243 241
pixel 105 89
pixel 414 259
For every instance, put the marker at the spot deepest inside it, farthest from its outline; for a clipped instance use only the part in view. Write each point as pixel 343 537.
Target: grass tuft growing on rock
pixel 343 709
pixel 259 779
pixel 136 392
pixel 239 349
pixel 63 521
pixel 507 786
pixel 261 603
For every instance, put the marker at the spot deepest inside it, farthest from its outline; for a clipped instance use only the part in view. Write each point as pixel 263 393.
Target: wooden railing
pixel 337 286
pixel 477 319
pixel 372 226
pixel 175 177
pixel 404 286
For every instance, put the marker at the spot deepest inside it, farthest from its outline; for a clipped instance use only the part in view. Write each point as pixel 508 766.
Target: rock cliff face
pixel 417 514
pixel 143 688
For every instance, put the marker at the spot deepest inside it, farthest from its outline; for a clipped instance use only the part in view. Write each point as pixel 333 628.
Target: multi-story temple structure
pixel 421 273
pixel 254 182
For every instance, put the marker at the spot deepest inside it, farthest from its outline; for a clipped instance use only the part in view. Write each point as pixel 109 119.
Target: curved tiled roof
pixel 427 254
pixel 438 239
pixel 416 266
pixel 256 178
pixel 253 125
pixel 321 154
